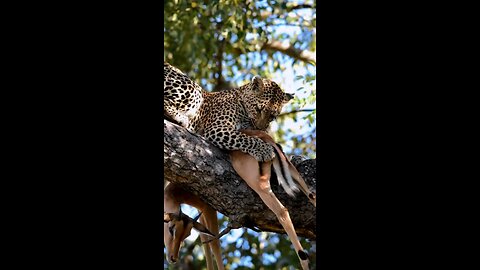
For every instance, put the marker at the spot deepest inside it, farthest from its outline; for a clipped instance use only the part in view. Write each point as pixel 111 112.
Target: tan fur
pixel 286 163
pixel 174 195
pixel 248 168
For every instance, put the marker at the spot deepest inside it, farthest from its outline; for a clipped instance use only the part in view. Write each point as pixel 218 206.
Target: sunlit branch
pixel 287 49
pixel 291 51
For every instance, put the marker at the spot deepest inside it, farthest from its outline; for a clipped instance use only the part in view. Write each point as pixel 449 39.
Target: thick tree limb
pixel 206 171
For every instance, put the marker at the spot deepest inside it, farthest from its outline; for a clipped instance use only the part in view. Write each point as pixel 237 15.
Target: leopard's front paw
pixel 263 153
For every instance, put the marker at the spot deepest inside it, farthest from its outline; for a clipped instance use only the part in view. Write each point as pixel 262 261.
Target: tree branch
pixel 206 171
pixel 277 46
pixel 264 15
pixel 296 111
pixel 303 55
pixel 301 6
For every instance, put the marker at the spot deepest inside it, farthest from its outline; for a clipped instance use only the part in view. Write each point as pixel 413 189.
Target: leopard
pixel 219 116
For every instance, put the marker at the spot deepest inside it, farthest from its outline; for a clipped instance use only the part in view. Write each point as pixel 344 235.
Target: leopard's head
pixel 264 101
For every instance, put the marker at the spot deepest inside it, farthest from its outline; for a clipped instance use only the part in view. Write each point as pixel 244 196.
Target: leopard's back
pixel 182 96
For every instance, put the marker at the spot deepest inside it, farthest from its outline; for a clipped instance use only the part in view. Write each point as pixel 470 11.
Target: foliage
pixel 223 44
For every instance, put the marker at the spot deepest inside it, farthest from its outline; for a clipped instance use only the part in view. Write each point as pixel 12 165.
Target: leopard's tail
pixel 284 176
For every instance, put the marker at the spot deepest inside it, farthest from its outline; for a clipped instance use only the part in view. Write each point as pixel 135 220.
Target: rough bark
pixel 206 171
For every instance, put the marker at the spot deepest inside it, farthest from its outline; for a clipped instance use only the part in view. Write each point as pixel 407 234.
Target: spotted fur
pixel 218 116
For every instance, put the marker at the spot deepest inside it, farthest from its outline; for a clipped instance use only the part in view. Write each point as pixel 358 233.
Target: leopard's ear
pixel 257 84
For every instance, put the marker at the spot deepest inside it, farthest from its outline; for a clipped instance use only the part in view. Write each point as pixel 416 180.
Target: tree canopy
pixel 223 44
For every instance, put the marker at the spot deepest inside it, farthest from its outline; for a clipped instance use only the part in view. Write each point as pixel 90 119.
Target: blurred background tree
pixel 223 44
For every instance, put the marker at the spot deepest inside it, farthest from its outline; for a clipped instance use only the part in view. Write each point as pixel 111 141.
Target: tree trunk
pixel 205 170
